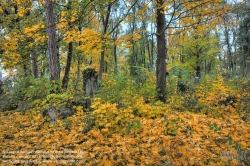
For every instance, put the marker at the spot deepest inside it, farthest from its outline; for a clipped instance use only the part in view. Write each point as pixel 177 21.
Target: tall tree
pixel 183 15
pixel 52 42
pixel 68 64
pixel 161 52
pixel 105 21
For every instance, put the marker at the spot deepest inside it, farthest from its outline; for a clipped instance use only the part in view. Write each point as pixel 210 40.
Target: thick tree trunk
pixel 52 43
pixel 65 80
pixel 34 65
pixel 161 53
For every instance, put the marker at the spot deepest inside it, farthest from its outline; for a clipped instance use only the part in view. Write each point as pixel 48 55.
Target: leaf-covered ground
pixel 207 125
pixel 174 138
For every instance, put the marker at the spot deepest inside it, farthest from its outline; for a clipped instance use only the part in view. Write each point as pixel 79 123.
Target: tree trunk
pixel 79 63
pixel 52 43
pixel 198 71
pixel 65 80
pixel 115 51
pixel 230 59
pixel 149 55
pixel 44 64
pixel 101 66
pixel 78 67
pixel 34 65
pixel 105 21
pixel 115 57
pixel 198 67
pixel 134 58
pixel 79 58
pixel 247 72
pixel 161 53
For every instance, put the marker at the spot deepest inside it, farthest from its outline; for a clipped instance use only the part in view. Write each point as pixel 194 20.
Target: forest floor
pixel 174 138
pixel 208 124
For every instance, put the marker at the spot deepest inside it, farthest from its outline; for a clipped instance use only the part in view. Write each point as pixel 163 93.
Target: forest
pixel 124 82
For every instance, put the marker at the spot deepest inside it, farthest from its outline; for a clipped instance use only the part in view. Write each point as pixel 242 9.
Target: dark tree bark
pixel 65 80
pixel 105 21
pixel 52 43
pixel 229 52
pixel 34 65
pixel 161 53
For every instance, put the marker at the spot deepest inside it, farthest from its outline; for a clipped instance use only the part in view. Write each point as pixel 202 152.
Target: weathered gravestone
pixel 181 87
pixel 89 81
pixel 65 112
pixel 196 80
pixel 247 69
pixel 52 112
pixel 23 105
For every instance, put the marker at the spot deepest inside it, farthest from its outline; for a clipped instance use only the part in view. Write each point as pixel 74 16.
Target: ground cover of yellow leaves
pixel 179 138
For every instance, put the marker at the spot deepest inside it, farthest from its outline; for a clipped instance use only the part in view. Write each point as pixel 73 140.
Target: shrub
pixel 58 100
pixel 28 89
pixel 120 88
